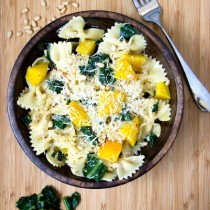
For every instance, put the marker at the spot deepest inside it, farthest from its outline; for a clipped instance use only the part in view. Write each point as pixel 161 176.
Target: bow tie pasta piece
pixel 36 74
pixel 130 131
pixel 113 42
pixel 75 29
pixel 78 115
pixel 59 54
pixel 124 71
pixel 110 103
pixel 110 150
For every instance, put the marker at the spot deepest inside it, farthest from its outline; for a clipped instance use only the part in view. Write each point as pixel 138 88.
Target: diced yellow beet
pixel 110 150
pixel 135 60
pixel 63 150
pixel 124 71
pixel 110 102
pixel 86 47
pixel 36 74
pixel 78 115
pixel 130 131
pixel 162 91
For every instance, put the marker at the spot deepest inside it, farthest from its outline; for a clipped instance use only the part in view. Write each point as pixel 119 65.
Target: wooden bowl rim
pixel 11 100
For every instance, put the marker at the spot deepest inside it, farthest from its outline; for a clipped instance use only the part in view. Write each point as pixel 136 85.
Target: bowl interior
pixel 35 48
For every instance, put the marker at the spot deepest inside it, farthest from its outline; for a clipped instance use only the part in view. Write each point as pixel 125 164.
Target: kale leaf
pixel 125 115
pixel 55 85
pixel 91 67
pixel 46 200
pixel 94 168
pixel 27 202
pixel 71 202
pixel 60 121
pixel 26 120
pixel 87 102
pixel 106 76
pixel 155 107
pixel 126 31
pixel 92 138
pixel 151 139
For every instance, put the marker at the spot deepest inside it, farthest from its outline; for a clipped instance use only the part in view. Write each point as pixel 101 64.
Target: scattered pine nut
pixel 33 23
pixel 75 5
pixel 28 27
pixel 57 10
pixel 9 34
pixel 26 21
pixel 66 3
pixel 29 31
pixel 63 10
pixel 43 3
pixel 37 28
pixel 19 33
pixel 44 20
pixel 25 10
pixel 53 18
pixel 61 6
pixel 36 18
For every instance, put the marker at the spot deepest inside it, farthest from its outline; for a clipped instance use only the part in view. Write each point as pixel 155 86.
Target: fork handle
pixel 199 92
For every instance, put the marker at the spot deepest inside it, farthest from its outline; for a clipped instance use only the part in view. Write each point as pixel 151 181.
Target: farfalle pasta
pixel 94 103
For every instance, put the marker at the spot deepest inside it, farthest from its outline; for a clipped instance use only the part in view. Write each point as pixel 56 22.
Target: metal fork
pixel 150 10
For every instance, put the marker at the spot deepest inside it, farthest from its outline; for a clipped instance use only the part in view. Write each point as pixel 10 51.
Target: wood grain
pixel 181 180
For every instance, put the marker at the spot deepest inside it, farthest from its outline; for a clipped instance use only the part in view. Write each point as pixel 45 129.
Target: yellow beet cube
pixel 36 74
pixel 110 102
pixel 86 47
pixel 135 60
pixel 124 71
pixel 78 115
pixel 110 150
pixel 162 91
pixel 130 131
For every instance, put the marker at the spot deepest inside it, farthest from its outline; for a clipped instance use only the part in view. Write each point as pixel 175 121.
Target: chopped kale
pixel 68 101
pixel 92 138
pixel 55 85
pixel 106 76
pixel 91 67
pixel 60 121
pixel 71 202
pixel 155 107
pixel 94 168
pixel 87 102
pixel 151 139
pixel 27 202
pixel 26 120
pixel 60 156
pixel 46 200
pixel 125 115
pixel 126 31
pixel 51 200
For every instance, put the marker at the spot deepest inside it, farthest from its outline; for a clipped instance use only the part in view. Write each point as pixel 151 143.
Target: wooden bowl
pixel 34 48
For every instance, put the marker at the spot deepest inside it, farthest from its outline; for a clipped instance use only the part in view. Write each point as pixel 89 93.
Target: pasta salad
pixel 95 102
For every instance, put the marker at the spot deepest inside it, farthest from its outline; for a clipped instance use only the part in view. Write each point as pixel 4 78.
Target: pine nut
pixel 36 18
pixel 114 48
pixel 57 10
pixel 50 124
pixel 29 31
pixel 100 65
pixel 44 21
pixel 26 21
pixel 19 33
pixel 82 77
pixel 25 10
pixel 33 23
pixel 63 10
pixel 75 5
pixel 43 3
pixel 61 7
pixel 28 27
pixel 66 3
pixel 53 18
pixel 9 34
pixel 37 28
